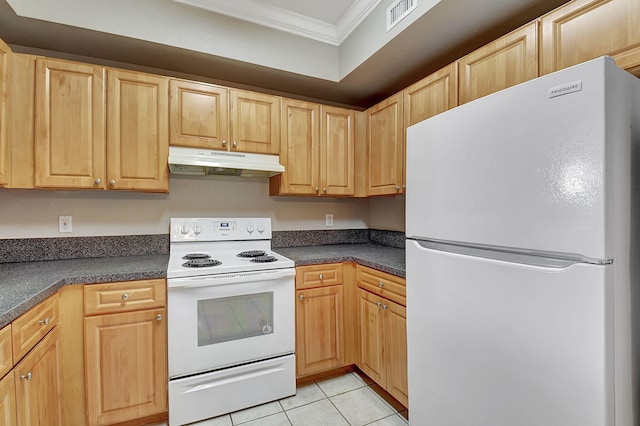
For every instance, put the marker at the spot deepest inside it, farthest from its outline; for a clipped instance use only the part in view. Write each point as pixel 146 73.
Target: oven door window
pixel 233 318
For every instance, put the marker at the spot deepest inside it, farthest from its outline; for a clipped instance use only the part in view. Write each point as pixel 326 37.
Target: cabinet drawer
pixel 385 285
pixel 318 275
pixel 6 353
pixel 124 296
pixel 31 326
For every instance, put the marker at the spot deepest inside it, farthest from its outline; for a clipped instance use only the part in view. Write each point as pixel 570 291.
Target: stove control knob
pixel 250 229
pixel 184 229
pixel 261 228
pixel 197 229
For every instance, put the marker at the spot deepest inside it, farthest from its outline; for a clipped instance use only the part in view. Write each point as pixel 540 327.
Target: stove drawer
pixel 124 296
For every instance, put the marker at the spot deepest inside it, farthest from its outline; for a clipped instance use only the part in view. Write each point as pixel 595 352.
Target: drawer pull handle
pixel 26 376
pixel 159 317
pixel 301 297
pixel 322 276
pixel 125 296
pixel 380 284
pixel 382 305
pixel 44 321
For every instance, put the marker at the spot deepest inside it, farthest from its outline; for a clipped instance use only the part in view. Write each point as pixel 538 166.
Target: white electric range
pixel 231 318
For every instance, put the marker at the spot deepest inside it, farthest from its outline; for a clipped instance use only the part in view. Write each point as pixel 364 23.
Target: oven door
pixel 218 321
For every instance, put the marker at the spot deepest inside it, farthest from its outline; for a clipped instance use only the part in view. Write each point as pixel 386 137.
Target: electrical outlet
pixel 64 224
pixel 328 218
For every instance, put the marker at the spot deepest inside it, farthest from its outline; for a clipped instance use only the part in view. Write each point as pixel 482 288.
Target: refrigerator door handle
pixel 511 255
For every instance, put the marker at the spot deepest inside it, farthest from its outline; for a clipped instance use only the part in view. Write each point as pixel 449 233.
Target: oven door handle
pixel 233 278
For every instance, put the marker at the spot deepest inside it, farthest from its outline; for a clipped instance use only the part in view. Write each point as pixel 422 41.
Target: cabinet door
pixel 432 95
pixel 337 151
pixel 586 29
pixel 319 330
pixel 198 115
pixel 6 350
pixel 300 148
pixel 396 351
pixel 255 122
pixel 70 128
pixel 8 401
pixel 37 379
pixel 371 326
pixel 385 154
pixel 126 365
pixel 503 63
pixel 5 53
pixel 137 131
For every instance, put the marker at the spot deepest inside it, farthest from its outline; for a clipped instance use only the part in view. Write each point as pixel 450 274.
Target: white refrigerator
pixel 522 214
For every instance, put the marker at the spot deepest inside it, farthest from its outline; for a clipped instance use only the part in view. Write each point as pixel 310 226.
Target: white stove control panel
pixel 220 229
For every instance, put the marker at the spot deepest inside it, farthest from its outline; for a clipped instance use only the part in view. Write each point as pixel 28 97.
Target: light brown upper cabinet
pixel 213 117
pixel 81 144
pixel 432 95
pixel 137 131
pixel 318 150
pixel 300 150
pixel 70 129
pixel 198 116
pixel 585 29
pixel 254 122
pixel 505 62
pixel 385 147
pixel 337 151
pixel 5 54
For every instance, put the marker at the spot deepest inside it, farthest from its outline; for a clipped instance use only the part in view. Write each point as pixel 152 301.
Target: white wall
pixel 387 213
pixel 34 213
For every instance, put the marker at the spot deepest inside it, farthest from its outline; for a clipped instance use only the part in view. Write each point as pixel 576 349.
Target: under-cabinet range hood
pixel 201 162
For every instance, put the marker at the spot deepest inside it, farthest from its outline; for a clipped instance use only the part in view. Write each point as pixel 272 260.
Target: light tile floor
pixel 350 399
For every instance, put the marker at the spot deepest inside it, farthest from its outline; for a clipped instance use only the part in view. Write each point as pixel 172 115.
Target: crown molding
pixel 291 22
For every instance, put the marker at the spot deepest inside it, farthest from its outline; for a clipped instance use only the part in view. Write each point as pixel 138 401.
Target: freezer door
pixel 523 168
pixel 503 344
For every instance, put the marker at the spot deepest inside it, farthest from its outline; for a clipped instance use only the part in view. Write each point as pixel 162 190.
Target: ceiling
pixel 331 51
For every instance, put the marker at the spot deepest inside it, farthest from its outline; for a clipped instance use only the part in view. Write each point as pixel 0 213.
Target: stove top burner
pixel 192 256
pixel 252 253
pixel 264 259
pixel 201 263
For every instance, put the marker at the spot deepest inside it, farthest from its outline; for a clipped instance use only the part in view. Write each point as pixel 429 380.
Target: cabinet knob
pixel 385 307
pixel 44 321
pixel 235 144
pixel 317 189
pixel 324 190
pixel 380 284
pixel 97 181
pixel 321 276
pixel 159 317
pixel 224 143
pixel 301 297
pixel 125 296
pixel 397 188
pixel 112 182
pixel 26 376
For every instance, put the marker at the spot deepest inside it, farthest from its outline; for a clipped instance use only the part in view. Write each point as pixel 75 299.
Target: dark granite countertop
pixel 382 258
pixel 25 284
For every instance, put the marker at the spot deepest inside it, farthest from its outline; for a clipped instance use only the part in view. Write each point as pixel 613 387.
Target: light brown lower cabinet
pixel 320 339
pixel 37 384
pixel 125 353
pixel 320 330
pixel 8 400
pixel 383 343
